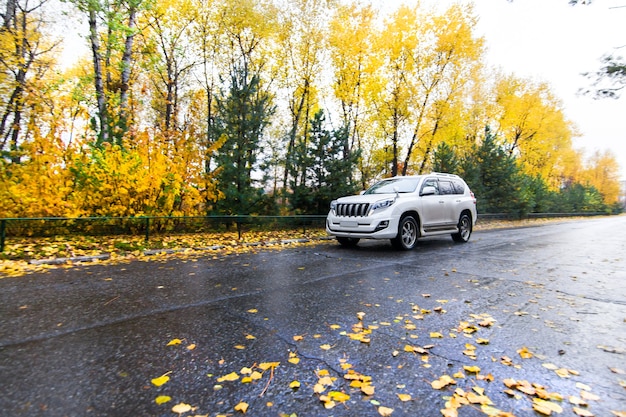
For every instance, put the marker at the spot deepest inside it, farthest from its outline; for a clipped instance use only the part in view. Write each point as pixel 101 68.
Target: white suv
pixel 403 209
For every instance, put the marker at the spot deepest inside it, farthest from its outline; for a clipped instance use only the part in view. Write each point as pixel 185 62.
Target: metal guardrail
pixel 158 225
pixel 509 216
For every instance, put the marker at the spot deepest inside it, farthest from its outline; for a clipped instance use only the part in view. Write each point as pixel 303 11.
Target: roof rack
pixel 445 174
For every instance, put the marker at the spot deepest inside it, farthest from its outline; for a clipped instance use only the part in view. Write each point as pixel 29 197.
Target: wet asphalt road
pixel 87 341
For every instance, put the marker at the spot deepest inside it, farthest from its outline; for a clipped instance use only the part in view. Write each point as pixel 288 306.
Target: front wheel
pixel 407 234
pixel 465 229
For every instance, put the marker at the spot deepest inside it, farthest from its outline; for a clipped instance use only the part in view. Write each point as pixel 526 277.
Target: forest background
pixel 190 107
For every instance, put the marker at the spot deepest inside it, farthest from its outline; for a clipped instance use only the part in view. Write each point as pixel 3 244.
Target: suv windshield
pixel 390 186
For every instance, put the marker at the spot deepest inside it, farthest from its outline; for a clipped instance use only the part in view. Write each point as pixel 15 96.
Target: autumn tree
pixel 25 56
pixel 205 37
pixel 171 60
pixel 530 121
pixel 351 33
pixel 112 31
pixel 447 59
pixel 426 62
pixel 300 44
pixel 391 92
pixel 602 172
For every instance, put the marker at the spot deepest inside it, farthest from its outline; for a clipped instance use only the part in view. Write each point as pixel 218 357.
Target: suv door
pixel 449 198
pixel 433 212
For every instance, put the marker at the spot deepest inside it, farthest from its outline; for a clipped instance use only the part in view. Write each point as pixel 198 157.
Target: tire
pixel 465 229
pixel 407 234
pixel 348 242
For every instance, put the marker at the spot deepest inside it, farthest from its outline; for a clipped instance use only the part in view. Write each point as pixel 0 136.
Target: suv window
pixel 459 187
pixel 401 185
pixel 431 182
pixel 446 187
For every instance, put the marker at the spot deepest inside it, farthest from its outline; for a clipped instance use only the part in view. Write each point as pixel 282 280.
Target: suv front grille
pixel 352 210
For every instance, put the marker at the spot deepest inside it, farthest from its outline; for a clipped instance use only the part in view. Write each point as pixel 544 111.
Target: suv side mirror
pixel 429 190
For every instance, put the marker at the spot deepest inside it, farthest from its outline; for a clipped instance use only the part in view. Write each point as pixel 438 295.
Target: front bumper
pixel 362 227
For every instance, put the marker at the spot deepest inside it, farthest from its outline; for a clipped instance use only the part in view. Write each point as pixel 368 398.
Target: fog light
pixel 382 225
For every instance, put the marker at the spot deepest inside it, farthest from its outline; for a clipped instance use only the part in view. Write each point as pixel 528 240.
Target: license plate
pixel 349 224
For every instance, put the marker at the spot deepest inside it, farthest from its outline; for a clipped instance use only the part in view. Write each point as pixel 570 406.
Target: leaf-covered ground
pixel 28 255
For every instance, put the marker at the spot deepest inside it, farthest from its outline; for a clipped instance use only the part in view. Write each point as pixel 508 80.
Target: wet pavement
pixel 370 328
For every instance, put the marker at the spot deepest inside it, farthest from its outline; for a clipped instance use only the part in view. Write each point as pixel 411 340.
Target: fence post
pixel 3 233
pixel 147 225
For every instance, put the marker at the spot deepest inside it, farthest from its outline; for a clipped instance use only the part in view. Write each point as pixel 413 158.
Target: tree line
pixel 193 107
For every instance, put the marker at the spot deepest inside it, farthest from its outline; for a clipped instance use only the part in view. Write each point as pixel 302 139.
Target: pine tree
pixel 328 172
pixel 445 159
pixel 242 116
pixel 493 176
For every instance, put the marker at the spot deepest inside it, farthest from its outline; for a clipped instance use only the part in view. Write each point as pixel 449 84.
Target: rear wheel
pixel 465 229
pixel 407 234
pixel 348 241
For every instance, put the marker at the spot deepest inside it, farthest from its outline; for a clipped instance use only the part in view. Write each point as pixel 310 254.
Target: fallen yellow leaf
pixel 582 412
pixel 162 399
pixel 267 365
pixel 233 376
pixel 404 397
pixel 325 346
pixel 546 407
pixel 181 408
pixel 160 380
pixel 242 406
pixel 326 380
pixel 319 388
pixel 436 335
pixel 525 353
pixel 174 342
pixel 472 369
pixel 588 396
pixel 442 382
pixel 385 411
pixel 294 385
pixel 368 389
pixel 338 396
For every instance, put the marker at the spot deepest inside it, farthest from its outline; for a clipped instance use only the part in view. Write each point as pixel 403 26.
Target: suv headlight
pixel 381 205
pixel 333 206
